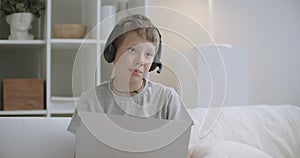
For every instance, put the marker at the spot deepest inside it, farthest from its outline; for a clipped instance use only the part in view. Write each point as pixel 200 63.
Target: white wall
pixel 269 31
pixel 184 26
pixel 265 33
pixel 178 55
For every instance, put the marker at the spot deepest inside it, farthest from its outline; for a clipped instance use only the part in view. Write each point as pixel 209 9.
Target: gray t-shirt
pixel 155 101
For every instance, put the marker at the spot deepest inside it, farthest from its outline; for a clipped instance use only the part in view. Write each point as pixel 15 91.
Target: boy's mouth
pixel 136 71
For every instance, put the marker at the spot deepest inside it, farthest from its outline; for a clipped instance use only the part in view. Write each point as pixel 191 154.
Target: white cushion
pixel 226 149
pixel 273 129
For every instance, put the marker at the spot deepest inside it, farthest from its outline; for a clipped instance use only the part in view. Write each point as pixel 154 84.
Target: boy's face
pixel 134 57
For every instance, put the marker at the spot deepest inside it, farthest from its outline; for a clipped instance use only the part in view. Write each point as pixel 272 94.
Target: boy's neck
pixel 126 88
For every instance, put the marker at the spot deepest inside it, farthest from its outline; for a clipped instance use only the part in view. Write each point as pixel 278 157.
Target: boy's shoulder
pixel 102 87
pixel 104 84
pixel 161 87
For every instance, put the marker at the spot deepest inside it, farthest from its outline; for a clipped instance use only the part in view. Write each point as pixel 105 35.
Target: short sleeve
pixel 82 105
pixel 176 108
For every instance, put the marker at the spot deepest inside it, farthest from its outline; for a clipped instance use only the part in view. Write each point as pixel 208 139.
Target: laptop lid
pixel 112 136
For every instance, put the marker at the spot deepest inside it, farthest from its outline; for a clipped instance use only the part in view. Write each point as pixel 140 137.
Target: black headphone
pixel 110 48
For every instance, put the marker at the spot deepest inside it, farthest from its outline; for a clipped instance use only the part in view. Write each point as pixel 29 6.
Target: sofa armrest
pixel 35 137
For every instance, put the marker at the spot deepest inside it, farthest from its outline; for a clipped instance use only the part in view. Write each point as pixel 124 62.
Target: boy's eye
pixel 149 55
pixel 132 50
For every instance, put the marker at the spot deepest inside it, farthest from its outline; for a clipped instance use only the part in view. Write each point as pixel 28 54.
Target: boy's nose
pixel 139 59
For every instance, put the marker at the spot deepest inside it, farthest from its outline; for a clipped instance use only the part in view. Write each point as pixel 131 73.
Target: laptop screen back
pixel 107 136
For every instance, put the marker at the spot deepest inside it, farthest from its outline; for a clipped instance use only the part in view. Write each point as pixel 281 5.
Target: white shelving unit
pixel 53 59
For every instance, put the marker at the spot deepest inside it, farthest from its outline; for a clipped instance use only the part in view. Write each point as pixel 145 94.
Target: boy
pixel 134 47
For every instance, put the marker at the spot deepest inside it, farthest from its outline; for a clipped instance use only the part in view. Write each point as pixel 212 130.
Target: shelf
pixel 64 99
pixel 77 41
pixel 22 42
pixel 71 43
pixel 62 105
pixel 21 45
pixel 61 108
pixel 55 59
pixel 23 112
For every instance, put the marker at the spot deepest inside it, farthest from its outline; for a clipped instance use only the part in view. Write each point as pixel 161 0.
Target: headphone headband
pixel 131 23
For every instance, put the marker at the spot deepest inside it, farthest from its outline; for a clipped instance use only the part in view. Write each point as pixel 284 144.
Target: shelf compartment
pixel 61 108
pixel 23 112
pixel 38 27
pixel 61 71
pixel 83 12
pixel 67 62
pixel 22 45
pixel 62 105
pixel 28 61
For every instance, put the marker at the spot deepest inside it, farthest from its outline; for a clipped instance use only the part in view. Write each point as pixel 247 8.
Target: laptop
pixel 112 136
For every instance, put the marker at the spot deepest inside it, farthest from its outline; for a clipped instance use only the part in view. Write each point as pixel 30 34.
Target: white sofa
pixel 267 130
pixel 35 137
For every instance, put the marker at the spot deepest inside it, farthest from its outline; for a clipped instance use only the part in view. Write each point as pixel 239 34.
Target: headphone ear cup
pixel 154 65
pixel 156 61
pixel 110 53
pixel 158 54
